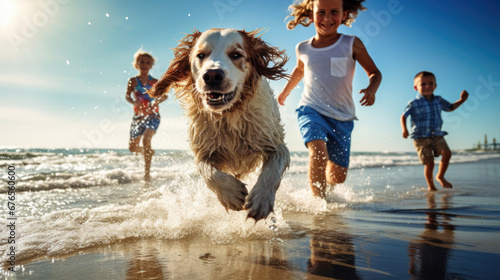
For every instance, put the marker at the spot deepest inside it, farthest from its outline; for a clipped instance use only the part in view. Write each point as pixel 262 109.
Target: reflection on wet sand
pixel 197 259
pixel 429 254
pixel 325 250
pixel 144 264
pixel 332 252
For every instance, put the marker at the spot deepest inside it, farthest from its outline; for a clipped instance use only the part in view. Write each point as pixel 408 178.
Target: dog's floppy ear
pixel 268 61
pixel 179 69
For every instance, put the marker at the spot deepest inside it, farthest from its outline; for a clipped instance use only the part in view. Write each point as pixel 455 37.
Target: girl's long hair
pixel 302 11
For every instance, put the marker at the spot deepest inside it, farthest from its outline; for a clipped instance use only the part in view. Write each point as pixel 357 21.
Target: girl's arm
pixel 375 77
pixel 297 75
pixel 130 89
pixel 160 99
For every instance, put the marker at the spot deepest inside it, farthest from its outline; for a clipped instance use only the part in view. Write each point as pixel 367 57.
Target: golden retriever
pixel 219 76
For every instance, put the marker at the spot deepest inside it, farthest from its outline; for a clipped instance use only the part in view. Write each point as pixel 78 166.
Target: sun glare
pixel 7 11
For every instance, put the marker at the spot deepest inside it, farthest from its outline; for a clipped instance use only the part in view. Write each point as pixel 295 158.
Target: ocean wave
pixel 168 213
pixel 44 170
pixel 49 169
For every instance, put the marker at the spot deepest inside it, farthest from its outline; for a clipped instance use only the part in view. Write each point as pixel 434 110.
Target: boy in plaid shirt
pixel 426 122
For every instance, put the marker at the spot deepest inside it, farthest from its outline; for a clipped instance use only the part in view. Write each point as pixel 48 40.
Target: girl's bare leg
pixel 148 152
pixel 335 174
pixel 318 159
pixel 133 145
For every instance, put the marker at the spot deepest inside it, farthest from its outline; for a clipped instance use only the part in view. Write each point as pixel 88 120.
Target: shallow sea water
pixel 88 215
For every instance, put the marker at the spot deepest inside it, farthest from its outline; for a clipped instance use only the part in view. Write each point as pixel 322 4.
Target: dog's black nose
pixel 213 76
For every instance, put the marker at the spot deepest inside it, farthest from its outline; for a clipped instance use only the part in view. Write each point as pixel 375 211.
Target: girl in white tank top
pixel 328 74
pixel 326 64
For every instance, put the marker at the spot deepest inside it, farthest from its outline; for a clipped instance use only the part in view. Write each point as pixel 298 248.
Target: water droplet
pixel 273 227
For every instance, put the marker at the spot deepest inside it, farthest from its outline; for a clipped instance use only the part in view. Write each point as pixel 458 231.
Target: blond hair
pixel 302 12
pixel 140 52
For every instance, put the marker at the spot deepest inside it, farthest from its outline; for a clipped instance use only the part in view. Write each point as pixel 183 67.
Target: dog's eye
pixel 201 55
pixel 235 55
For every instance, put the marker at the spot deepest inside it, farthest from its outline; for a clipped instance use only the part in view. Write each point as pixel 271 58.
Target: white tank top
pixel 328 75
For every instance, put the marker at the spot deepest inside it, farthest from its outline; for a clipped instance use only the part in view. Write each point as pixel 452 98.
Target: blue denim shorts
pixel 141 123
pixel 336 134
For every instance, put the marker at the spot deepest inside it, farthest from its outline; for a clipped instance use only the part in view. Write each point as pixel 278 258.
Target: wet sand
pixel 343 245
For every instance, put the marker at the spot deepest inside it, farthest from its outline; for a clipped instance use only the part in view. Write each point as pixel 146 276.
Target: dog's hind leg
pixel 261 199
pixel 230 191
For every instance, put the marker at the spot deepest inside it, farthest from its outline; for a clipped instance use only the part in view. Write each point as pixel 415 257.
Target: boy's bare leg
pixel 335 174
pixel 148 152
pixel 443 166
pixel 428 172
pixel 318 158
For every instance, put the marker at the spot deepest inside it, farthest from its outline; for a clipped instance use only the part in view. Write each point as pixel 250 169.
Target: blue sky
pixel 64 65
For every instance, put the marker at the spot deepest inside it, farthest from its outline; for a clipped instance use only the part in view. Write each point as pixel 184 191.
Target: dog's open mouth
pixel 216 98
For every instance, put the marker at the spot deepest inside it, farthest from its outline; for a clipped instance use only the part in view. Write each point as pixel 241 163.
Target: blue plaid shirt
pixel 425 115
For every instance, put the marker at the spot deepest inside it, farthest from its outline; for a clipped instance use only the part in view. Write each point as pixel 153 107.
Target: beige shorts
pixel 428 148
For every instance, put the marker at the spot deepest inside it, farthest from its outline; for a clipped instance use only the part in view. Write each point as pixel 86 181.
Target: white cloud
pixel 21 116
pixel 22 127
pixel 27 80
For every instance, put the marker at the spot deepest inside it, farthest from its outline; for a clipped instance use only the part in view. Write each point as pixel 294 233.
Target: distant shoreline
pixel 10 148
pixel 497 151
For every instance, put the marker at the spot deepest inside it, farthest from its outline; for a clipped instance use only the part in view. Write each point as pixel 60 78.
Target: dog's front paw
pixel 259 206
pixel 230 191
